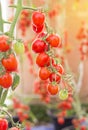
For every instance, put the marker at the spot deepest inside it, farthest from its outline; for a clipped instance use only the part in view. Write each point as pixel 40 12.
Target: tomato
pixel 37 29
pixel 53 40
pixel 61 120
pixel 4 45
pixel 52 89
pixel 43 60
pixel 59 68
pixel 6 80
pixel 39 46
pixel 3 124
pixel 19 47
pixel 44 73
pixel 63 94
pixel 10 63
pixel 83 127
pixel 55 77
pixel 14 128
pixel 42 34
pixel 38 18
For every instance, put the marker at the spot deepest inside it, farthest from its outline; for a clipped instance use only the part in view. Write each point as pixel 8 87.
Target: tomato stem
pixel 18 11
pixel 30 8
pixel 3 97
pixel 9 115
pixel 1 20
pixel 1 90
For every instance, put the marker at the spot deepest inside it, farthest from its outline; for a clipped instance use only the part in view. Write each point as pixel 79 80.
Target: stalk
pixel 18 11
pixel 1 20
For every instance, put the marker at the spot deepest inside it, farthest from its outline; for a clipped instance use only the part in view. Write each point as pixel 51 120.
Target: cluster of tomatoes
pixel 4 125
pixel 21 110
pixel 24 21
pixel 79 123
pixel 8 62
pixel 43 45
pixel 40 87
pixel 64 107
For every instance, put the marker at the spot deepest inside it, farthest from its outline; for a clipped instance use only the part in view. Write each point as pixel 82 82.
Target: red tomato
pixel 10 63
pixel 4 45
pixel 43 60
pixel 6 80
pixel 52 89
pixel 39 46
pixel 44 73
pixel 42 34
pixel 38 18
pixel 55 77
pixel 83 127
pixel 61 120
pixel 37 29
pixel 3 124
pixel 54 40
pixel 59 68
pixel 14 128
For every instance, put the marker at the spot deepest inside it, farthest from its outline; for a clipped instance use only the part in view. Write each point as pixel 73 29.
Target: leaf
pixel 16 81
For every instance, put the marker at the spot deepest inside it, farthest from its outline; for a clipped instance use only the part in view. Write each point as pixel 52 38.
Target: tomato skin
pixel 42 34
pixel 63 94
pixel 19 48
pixel 55 77
pixel 4 46
pixel 44 73
pixel 43 59
pixel 61 120
pixel 6 80
pixel 38 46
pixel 53 40
pixel 10 63
pixel 37 29
pixel 14 128
pixel 3 124
pixel 59 68
pixel 38 18
pixel 52 89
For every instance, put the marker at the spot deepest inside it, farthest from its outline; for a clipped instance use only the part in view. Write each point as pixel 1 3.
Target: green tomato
pixel 19 48
pixel 63 94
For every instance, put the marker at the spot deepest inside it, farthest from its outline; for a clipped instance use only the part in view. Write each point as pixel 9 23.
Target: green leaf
pixel 16 81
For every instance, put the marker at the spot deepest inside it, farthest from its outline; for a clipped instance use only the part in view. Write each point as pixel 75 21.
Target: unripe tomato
pixel 54 40
pixel 44 73
pixel 38 18
pixel 10 63
pixel 63 94
pixel 6 80
pixel 39 46
pixel 52 89
pixel 19 47
pixel 3 124
pixel 43 60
